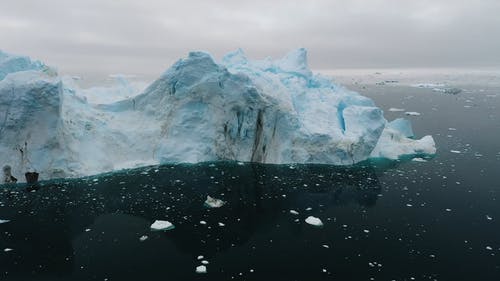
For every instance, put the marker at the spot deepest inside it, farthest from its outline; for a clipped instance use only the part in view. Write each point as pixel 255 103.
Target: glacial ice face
pixel 264 111
pixel 268 111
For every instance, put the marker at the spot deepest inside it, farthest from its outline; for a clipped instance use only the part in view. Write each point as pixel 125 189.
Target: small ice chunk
pixel 200 257
pixel 308 208
pixel 455 151
pixel 214 202
pixel 204 262
pixel 489 248
pixel 412 113
pixel 418 159
pixel 314 221
pixel 221 224
pixel 393 109
pixel 293 212
pixel 489 218
pixel 203 222
pixel 160 225
pixel 4 221
pixel 87 230
pixel 8 249
pixel 366 231
pixel 143 238
pixel 201 269
pixel 325 246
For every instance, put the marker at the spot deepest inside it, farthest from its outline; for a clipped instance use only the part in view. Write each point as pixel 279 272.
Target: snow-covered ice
pixel 268 111
pixel 160 225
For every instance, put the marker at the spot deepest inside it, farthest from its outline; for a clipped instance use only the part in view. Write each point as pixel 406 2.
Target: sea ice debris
pixel 201 269
pixel 314 221
pixel 412 113
pixel 394 109
pixel 212 202
pixel 160 225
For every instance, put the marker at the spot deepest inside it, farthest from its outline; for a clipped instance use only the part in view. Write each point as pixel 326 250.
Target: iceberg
pixel 266 111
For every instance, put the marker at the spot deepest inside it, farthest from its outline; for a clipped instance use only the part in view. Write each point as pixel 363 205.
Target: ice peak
pixel 235 57
pixel 295 61
pixel 13 63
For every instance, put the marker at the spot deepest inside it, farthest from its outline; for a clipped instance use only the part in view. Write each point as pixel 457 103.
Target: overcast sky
pixel 145 36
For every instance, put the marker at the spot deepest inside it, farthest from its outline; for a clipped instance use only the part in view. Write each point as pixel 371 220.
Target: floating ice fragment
pixel 200 257
pixel 418 159
pixel 489 218
pixel 293 212
pixel 325 246
pixel 203 222
pixel 204 262
pixel 448 210
pixel 412 113
pixel 393 109
pixel 4 221
pixel 160 225
pixel 366 231
pixel 201 269
pixel 143 238
pixel 87 230
pixel 314 221
pixel 212 202
pixel 8 249
pixel 455 151
pixel 308 208
pixel 221 224
pixel 489 248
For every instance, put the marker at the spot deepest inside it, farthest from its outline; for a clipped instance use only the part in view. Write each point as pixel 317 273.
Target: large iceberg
pixel 268 111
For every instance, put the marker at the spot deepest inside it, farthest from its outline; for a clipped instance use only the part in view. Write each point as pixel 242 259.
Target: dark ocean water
pixel 405 220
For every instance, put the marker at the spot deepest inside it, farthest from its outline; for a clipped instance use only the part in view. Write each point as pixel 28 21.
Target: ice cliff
pixel 269 111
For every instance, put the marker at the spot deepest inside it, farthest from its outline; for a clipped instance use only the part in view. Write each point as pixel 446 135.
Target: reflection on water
pixel 90 227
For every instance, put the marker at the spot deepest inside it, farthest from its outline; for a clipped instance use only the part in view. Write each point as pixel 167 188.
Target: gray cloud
pixel 145 37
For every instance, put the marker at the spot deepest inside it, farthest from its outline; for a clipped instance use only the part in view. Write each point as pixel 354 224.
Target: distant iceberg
pixel 267 111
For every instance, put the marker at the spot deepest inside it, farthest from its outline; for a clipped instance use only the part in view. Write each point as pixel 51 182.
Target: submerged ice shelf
pixel 267 111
